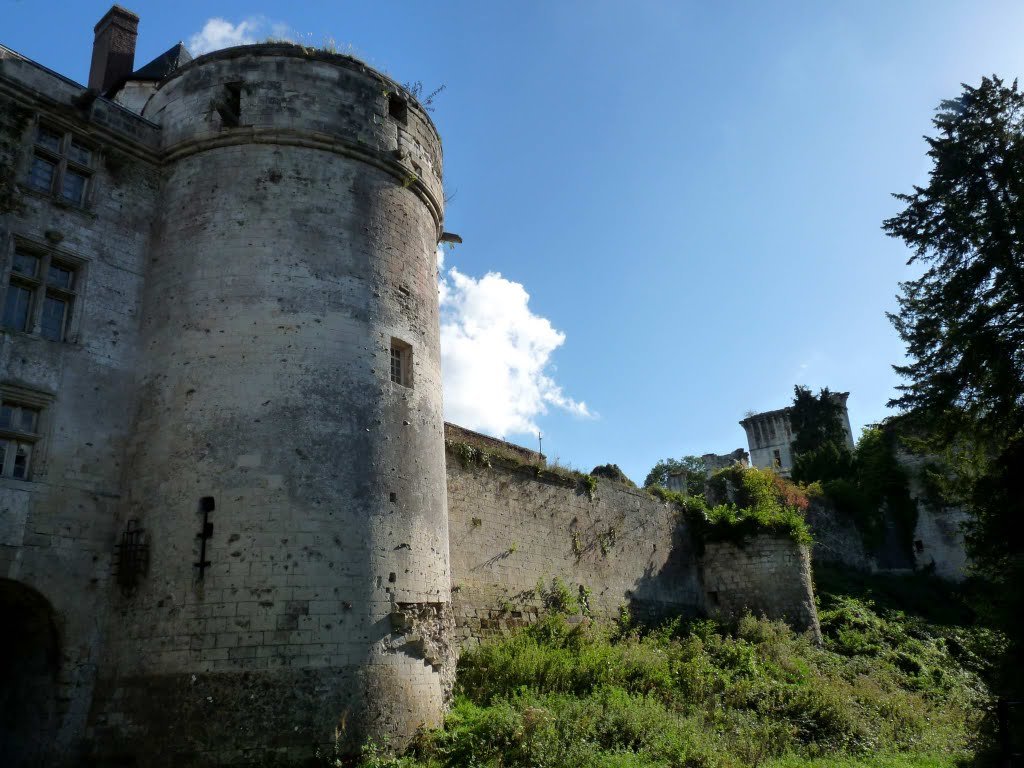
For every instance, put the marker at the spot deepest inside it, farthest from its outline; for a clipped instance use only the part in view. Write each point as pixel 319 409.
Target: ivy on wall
pixel 14 119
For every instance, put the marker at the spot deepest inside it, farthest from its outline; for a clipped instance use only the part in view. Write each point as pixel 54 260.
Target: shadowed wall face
pixel 29 665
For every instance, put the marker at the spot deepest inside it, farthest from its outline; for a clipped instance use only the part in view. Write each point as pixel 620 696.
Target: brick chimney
pixel 113 51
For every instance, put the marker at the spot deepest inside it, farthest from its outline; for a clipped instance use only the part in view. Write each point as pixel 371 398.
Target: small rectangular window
pixel 18 425
pixel 48 139
pixel 22 453
pixel 79 154
pixel 229 105
pixel 59 277
pixel 398 108
pixel 401 363
pixel 73 188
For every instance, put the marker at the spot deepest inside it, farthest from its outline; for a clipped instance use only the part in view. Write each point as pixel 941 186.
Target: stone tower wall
pixel 296 242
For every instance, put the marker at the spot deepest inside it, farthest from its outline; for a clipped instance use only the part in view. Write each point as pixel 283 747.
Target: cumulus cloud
pixel 220 33
pixel 495 356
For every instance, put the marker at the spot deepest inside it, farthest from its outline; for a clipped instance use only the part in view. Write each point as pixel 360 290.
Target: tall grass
pixel 885 689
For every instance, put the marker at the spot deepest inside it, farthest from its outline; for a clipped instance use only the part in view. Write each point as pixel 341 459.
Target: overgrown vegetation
pixel 614 473
pixel 14 120
pixel 692 467
pixel 899 688
pixel 419 93
pixel 820 450
pixel 874 487
pixel 741 503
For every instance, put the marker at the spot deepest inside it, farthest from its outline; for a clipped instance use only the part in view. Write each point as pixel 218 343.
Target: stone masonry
pixel 228 530
pixel 514 529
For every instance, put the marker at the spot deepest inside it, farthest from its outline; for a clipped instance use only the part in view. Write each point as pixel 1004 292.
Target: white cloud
pixel 220 33
pixel 495 356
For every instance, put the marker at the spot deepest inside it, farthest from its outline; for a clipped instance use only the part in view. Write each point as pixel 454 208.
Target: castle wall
pixel 292 248
pixel 939 541
pixel 57 526
pixel 770 575
pixel 512 530
pixel 837 540
pixel 939 530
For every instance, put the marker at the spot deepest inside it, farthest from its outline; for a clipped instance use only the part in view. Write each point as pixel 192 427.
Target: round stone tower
pixel 287 467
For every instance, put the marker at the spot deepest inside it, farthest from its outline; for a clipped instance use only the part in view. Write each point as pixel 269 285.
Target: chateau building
pixel 220 333
pixel 231 529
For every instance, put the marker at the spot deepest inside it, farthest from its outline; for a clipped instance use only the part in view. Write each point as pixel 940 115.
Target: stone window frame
pixel 42 287
pixel 25 398
pixel 400 362
pixel 64 155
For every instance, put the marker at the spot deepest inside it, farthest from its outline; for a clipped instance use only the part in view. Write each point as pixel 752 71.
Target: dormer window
pixel 61 165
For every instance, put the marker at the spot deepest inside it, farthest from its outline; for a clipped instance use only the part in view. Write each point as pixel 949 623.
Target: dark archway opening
pixel 29 663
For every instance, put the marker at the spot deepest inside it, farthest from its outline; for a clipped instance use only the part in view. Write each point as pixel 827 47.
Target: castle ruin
pixel 770 436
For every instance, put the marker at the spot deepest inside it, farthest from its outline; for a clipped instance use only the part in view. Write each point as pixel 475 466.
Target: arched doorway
pixel 29 662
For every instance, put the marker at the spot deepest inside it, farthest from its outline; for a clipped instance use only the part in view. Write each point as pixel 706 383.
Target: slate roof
pixel 164 64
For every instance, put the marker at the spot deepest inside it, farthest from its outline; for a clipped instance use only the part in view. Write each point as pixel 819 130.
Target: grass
pixel 877 761
pixel 887 688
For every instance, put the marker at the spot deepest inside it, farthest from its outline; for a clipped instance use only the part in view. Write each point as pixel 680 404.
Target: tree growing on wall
pixel 962 320
pixel 820 451
pixel 692 466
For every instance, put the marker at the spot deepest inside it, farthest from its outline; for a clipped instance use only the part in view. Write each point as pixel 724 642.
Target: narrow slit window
pixel 401 363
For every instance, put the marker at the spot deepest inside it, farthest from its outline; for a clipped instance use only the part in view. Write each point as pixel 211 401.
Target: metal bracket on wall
pixel 206 506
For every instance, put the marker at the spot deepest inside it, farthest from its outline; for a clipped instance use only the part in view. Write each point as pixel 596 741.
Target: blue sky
pixel 689 192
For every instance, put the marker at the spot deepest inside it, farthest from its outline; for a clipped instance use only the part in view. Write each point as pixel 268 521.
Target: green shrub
pixel 710 694
pixel 764 503
pixel 614 473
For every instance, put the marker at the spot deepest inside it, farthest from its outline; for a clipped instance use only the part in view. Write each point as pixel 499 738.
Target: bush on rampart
pixel 740 503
